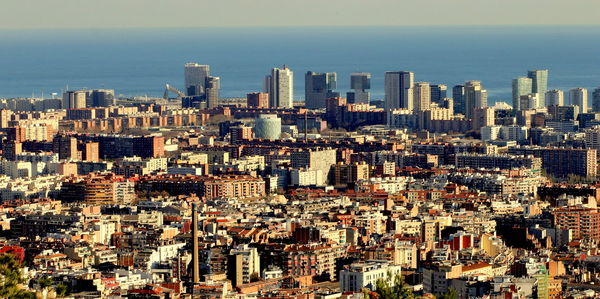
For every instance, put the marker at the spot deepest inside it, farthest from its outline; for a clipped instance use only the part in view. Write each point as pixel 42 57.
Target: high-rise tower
pixel 579 97
pixel 318 87
pixel 555 97
pixel 596 100
pixel 195 78
pixel 475 97
pixel 520 86
pixel 360 84
pixel 280 86
pixel 422 96
pixel 458 96
pixel 399 90
pixel 438 93
pixel 539 83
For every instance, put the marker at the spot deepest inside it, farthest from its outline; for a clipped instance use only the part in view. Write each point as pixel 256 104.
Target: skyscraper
pixel 102 97
pixel 280 86
pixel 75 99
pixel 539 83
pixel 458 95
pixel 475 97
pixel 555 97
pixel 195 78
pixel 520 86
pixel 360 84
pixel 596 100
pixel 579 97
pixel 211 88
pixel 318 87
pixel 438 93
pixel 422 96
pixel 200 86
pixel 399 90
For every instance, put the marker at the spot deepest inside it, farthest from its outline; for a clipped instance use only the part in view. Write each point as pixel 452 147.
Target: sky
pixel 84 14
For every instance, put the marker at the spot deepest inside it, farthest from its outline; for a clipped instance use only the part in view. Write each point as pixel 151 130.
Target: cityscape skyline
pixel 423 149
pixel 69 57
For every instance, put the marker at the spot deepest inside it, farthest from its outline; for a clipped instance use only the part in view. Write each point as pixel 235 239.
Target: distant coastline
pixel 138 62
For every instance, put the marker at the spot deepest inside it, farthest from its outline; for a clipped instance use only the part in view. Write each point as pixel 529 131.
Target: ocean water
pixel 138 62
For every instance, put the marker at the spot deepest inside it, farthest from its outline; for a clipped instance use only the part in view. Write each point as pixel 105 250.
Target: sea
pixel 139 62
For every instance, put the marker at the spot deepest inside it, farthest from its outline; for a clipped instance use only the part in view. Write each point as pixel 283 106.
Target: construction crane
pixel 171 89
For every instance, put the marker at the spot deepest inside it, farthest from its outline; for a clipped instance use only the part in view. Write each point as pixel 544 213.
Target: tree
pixel 451 294
pixel 11 278
pixel 62 290
pixel 393 288
pixel 45 282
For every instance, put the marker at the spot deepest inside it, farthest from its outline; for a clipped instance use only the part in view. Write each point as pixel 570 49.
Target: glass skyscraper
pixel 438 93
pixel 539 84
pixel 318 87
pixel 399 90
pixel 360 84
pixel 520 86
pixel 458 95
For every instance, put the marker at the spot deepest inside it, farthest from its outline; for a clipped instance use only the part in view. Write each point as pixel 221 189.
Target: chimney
pixel 195 261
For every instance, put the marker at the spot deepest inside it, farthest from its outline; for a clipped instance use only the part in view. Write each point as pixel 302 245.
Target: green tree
pixel 62 289
pixel 11 278
pixel 393 288
pixel 451 294
pixel 45 282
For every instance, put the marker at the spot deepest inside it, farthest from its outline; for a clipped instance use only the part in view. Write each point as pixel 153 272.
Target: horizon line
pixel 482 26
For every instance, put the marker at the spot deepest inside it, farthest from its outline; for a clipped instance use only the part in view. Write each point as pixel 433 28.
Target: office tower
pixel 399 90
pixel 458 95
pixel 267 126
pixel 280 87
pixel 579 97
pixel 318 87
pixel 74 99
pixel 529 101
pixel 257 99
pixel 520 86
pixel 200 85
pixel 422 96
pixel 360 83
pixel 596 100
pixel 212 86
pixel 539 83
pixel 475 97
pixel 195 78
pixel 438 93
pixel 555 97
pixel 102 98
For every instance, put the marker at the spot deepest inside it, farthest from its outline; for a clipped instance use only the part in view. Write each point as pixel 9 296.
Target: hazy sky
pixel 26 14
